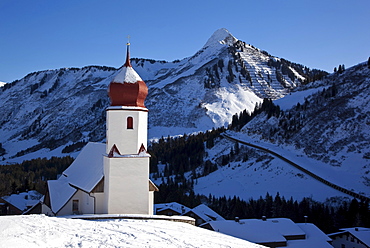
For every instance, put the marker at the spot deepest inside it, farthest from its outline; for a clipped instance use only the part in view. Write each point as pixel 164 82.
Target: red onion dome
pixel 127 88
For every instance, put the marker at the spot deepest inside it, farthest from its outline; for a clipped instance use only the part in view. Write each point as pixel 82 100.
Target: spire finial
pixel 128 40
pixel 128 63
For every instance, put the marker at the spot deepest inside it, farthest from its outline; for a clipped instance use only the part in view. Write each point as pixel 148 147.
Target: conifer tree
pixel 340 68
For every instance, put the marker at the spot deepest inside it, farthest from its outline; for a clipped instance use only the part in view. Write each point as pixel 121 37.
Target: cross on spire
pixel 128 40
pixel 128 63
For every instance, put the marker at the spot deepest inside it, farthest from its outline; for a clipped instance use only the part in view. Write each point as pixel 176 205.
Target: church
pixel 110 178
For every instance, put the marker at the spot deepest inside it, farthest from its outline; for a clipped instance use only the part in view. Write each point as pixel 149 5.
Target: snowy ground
pixel 42 231
pixel 254 178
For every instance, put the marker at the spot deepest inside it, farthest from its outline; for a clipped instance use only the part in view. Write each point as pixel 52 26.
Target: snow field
pixel 42 231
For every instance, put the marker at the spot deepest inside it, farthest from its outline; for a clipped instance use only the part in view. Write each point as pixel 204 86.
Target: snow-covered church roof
pixel 88 163
pixel 127 74
pixel 84 173
pixel 127 88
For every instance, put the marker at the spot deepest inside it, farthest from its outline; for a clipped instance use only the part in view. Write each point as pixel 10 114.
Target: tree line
pixel 31 174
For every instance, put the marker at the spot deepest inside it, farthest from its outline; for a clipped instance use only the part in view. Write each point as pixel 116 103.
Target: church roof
pixel 84 173
pixel 127 88
pixel 87 169
pixel 60 192
pixel 127 74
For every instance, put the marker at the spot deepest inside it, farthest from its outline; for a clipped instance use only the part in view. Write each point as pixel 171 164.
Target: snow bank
pixel 42 231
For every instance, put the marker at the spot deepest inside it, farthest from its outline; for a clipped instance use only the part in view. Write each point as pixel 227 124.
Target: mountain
pixel 56 112
pixel 314 142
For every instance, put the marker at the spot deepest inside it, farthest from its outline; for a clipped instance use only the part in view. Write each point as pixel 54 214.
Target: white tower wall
pixel 127 190
pixel 128 141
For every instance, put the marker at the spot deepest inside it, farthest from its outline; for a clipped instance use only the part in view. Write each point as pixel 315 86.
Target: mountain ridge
pixel 51 109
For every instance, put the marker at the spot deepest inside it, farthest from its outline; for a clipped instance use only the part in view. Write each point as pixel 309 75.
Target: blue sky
pixel 40 34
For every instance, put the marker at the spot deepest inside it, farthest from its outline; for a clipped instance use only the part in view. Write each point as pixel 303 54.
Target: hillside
pixel 42 231
pixel 46 111
pixel 322 126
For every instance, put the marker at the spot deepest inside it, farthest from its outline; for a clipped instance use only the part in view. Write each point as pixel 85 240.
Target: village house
pixel 200 213
pixel 111 178
pixel 203 214
pixel 19 203
pixel 355 237
pixel 170 209
pixel 276 232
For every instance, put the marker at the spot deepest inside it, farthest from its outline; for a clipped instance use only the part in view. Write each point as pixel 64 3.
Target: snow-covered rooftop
pixel 84 173
pixel 361 233
pixel 87 169
pixel 60 192
pixel 173 206
pixel 127 75
pixel 273 231
pixel 206 213
pixel 314 237
pixel 23 200
pixel 259 231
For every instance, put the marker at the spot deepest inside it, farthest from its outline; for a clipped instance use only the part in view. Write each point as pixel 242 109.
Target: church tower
pixel 126 165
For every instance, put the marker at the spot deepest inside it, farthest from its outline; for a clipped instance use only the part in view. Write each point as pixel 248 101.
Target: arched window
pixel 130 122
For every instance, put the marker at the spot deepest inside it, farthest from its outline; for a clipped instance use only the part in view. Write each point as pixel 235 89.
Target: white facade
pixel 126 186
pixel 126 170
pixel 127 140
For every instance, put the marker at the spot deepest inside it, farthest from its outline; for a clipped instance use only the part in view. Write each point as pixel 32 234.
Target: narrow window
pixel 130 123
pixel 75 206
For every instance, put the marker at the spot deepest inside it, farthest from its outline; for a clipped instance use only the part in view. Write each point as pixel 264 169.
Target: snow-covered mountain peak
pixel 2 84
pixel 220 36
pixel 196 93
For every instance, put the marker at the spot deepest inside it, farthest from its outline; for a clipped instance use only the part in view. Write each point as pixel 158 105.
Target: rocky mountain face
pixel 60 110
pixel 331 125
pixel 334 118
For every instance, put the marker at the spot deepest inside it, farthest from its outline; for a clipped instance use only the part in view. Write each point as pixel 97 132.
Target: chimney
pixel 264 218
